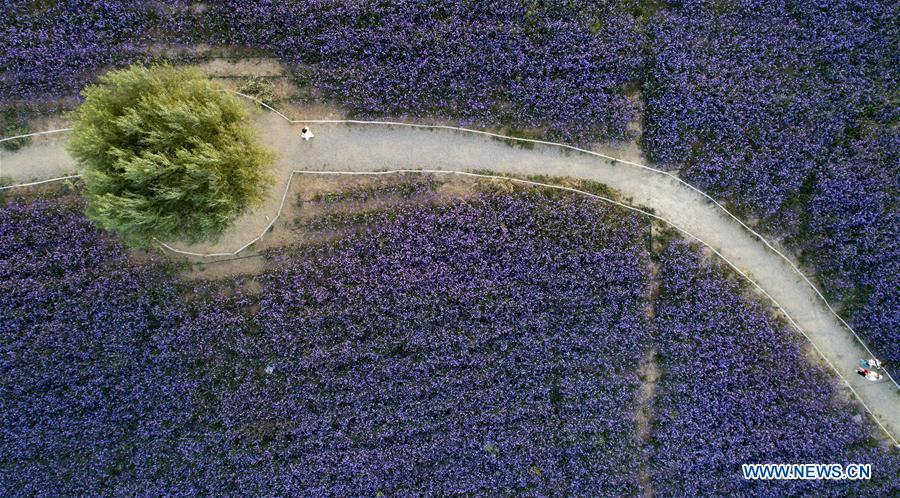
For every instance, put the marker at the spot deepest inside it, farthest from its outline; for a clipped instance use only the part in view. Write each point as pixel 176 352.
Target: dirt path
pixel 649 374
pixel 358 147
pixel 45 157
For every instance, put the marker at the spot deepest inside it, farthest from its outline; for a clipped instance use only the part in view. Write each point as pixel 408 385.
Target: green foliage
pixel 166 154
pixel 492 449
pixel 13 122
pixel 261 88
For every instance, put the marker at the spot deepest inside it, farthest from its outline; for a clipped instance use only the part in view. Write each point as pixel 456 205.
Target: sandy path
pixel 45 157
pixel 350 147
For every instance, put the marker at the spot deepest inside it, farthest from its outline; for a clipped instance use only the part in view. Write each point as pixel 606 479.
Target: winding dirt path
pixel 345 148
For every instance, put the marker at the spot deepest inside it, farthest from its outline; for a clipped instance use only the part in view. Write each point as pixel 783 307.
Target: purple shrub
pixel 750 98
pixel 724 104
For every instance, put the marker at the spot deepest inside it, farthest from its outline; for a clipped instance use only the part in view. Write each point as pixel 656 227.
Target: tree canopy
pixel 166 154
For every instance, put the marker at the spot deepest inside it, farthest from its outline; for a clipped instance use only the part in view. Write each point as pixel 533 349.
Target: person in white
pixel 305 134
pixel 868 374
pixel 870 363
pixel 874 376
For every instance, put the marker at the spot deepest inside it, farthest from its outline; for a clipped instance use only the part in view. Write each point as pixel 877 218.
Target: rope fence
pixel 48 132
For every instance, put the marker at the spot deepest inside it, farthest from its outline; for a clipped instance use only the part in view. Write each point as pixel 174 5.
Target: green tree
pixel 166 154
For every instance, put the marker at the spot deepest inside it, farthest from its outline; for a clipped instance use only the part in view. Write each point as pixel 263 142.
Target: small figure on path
pixel 305 134
pixel 870 363
pixel 868 374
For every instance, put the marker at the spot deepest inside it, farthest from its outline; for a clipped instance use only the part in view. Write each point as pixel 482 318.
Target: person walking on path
pixel 306 134
pixel 868 374
pixel 872 363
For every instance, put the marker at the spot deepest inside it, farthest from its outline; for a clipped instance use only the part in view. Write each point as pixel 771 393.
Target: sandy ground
pixel 244 67
pixel 649 374
pixel 45 157
pixel 348 147
pixel 302 205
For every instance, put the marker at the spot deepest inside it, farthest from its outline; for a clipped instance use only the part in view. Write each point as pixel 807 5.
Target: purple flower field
pixel 483 63
pixel 736 389
pixel 483 347
pixel 436 353
pixel 786 109
pixel 90 386
pixel 563 66
pixel 52 49
pixel 457 351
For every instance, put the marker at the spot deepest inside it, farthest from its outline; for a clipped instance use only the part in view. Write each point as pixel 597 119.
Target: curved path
pixel 345 147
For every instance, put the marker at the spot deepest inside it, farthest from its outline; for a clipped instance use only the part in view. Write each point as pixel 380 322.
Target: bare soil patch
pixel 247 67
pixel 649 374
pixel 252 264
pixel 341 200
